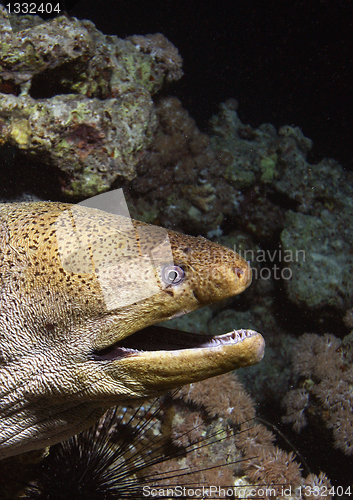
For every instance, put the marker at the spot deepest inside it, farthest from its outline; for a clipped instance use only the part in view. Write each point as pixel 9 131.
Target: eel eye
pixel 172 275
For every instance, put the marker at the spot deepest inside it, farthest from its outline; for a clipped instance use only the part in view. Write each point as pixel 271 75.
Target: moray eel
pixel 76 284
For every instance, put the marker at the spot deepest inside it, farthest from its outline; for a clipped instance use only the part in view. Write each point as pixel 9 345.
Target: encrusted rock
pixel 321 263
pixel 80 100
pixel 92 141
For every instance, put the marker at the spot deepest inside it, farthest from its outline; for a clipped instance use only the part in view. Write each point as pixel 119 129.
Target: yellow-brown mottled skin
pixel 54 316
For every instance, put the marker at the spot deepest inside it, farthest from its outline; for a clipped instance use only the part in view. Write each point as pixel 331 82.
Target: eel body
pixel 80 292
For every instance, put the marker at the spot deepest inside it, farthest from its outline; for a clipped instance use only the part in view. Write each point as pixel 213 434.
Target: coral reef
pixel 259 462
pixel 321 272
pixel 324 364
pixel 185 181
pixel 90 140
pixel 348 318
pixel 260 182
pixel 251 154
pixel 79 100
pixel 311 204
pixel 299 216
pixel 252 165
pixel 205 434
pixel 86 103
pixel 178 175
pixel 167 57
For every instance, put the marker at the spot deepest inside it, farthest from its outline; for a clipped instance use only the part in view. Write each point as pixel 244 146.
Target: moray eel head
pixel 81 292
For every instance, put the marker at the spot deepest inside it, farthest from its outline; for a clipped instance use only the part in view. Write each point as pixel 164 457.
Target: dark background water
pixel 285 62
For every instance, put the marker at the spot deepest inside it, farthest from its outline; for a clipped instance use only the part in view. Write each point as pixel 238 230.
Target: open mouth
pixel 158 338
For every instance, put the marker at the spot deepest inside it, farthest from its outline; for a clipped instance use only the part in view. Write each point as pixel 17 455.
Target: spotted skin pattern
pixel 76 280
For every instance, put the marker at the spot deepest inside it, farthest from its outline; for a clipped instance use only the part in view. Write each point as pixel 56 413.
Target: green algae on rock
pixel 90 140
pixel 80 100
pixel 321 260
